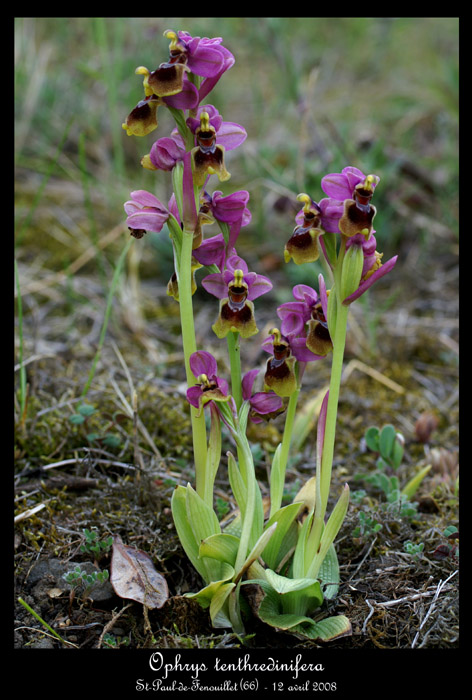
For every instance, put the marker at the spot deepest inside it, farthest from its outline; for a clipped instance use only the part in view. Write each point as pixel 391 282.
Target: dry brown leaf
pixel 134 577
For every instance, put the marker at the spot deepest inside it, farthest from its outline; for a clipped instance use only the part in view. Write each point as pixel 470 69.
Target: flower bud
pixel 352 270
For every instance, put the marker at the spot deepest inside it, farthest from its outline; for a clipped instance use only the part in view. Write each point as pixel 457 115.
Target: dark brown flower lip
pixel 137 232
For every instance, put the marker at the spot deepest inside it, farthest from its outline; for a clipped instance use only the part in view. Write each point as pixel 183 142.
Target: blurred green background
pixel 314 94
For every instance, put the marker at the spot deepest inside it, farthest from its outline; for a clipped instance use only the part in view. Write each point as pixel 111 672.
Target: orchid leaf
pixel 213 453
pixel 300 549
pixel 307 494
pixel 223 547
pixel 277 477
pixel 284 585
pixel 330 531
pixel 271 612
pixel 329 574
pixel 257 549
pixel 206 594
pixel 219 612
pixel 185 531
pixel 290 596
pixel 204 523
pixel 325 630
pixel 202 518
pixel 397 453
pixel 285 536
pixel 237 484
pixel 234 527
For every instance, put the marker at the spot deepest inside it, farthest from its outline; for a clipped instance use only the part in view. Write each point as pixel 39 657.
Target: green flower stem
pixel 233 340
pixel 324 468
pixel 339 342
pixel 190 346
pixel 276 499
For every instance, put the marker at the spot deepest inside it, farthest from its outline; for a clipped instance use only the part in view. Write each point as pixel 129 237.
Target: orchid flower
pixel 264 404
pixel 145 213
pixel 302 246
pixel 348 207
pixel 309 308
pixel 209 386
pixel 142 120
pixel 236 287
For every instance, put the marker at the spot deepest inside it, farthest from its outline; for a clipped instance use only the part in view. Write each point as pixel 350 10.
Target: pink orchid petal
pixel 187 98
pixel 230 208
pixel 301 352
pixel 146 199
pixel 206 61
pixel 235 262
pixel 231 135
pixel 292 324
pixel 216 285
pixel 248 383
pixel 193 395
pixel 266 402
pixel 202 362
pixel 261 285
pixel 211 251
pixel 147 220
pixel 304 293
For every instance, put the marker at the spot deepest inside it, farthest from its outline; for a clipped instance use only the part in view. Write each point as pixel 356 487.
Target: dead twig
pixel 439 589
pixel 110 624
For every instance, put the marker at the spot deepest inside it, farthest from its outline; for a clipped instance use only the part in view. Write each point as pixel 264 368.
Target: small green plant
pixel 389 445
pixel 367 527
pixel 414 549
pixel 78 577
pixel 358 496
pixel 86 411
pixel 93 545
pixel 109 640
